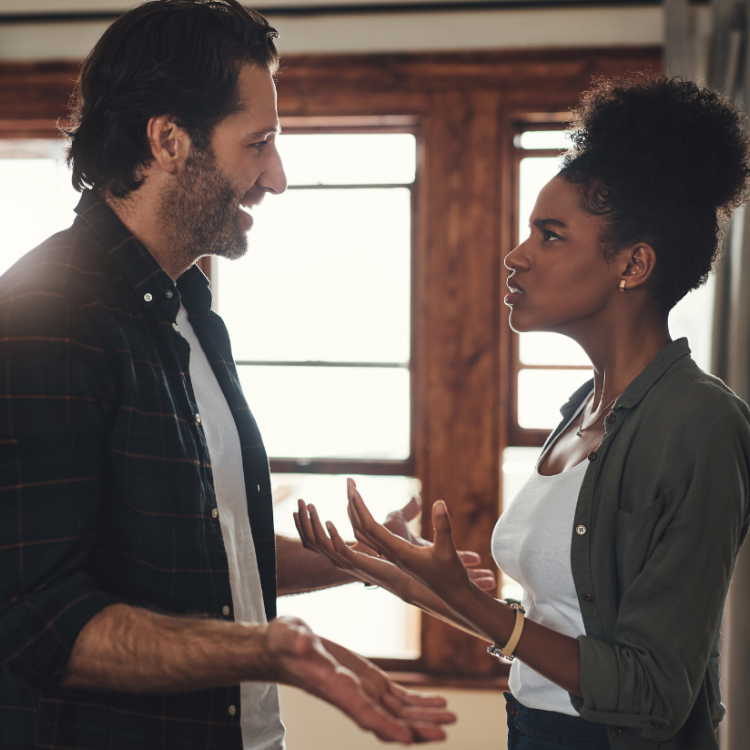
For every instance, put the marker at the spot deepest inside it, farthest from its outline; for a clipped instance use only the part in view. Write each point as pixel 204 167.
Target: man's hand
pixel 349 682
pixel 397 522
pixel 423 712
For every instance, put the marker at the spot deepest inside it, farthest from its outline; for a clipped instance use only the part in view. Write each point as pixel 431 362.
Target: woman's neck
pixel 621 352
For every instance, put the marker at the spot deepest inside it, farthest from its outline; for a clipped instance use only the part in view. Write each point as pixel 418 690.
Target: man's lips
pixel 246 204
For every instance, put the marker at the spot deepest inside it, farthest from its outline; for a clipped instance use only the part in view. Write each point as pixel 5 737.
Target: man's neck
pixel 139 212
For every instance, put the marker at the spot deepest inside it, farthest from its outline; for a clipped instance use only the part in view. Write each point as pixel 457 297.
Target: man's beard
pixel 199 213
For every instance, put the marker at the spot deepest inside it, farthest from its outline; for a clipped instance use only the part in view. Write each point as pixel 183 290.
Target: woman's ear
pixel 636 265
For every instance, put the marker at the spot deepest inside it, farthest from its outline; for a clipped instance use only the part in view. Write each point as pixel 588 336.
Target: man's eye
pixel 259 144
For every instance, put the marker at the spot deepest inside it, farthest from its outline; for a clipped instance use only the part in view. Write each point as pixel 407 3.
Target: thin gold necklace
pixel 581 429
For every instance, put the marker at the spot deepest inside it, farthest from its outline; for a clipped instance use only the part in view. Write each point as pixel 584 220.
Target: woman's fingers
pixel 321 539
pixel 441 523
pixel 470 559
pixel 304 528
pixel 372 533
pixel 339 545
pixel 484 579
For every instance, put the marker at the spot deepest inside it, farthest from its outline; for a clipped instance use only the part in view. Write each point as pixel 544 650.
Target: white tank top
pixel 260 717
pixel 531 544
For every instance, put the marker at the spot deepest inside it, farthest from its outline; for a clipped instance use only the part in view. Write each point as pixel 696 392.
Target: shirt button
pixel 611 417
pixel 232 710
pixel 225 611
pixel 148 296
pixel 580 530
pixel 175 326
pixel 169 294
pixel 592 456
pixel 617 732
pixel 588 598
pixel 197 418
pixel 215 513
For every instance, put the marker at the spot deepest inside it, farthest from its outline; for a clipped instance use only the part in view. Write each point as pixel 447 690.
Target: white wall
pixel 313 725
pixel 387 32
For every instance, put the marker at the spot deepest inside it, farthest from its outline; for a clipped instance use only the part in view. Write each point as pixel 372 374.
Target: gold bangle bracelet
pixel 506 652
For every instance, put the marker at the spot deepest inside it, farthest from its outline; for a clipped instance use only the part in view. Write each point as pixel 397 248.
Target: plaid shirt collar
pixel 139 268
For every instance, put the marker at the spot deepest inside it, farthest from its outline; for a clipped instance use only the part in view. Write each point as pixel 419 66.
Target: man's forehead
pixel 257 106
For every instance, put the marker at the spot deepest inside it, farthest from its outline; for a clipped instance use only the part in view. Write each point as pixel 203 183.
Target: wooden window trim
pixel 465 106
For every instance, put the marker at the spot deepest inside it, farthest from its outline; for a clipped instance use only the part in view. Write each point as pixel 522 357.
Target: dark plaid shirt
pixel 106 492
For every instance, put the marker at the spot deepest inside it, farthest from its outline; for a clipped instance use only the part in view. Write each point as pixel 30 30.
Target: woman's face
pixel 560 280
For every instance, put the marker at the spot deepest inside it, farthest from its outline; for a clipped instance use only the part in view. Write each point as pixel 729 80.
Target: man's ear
pixel 170 144
pixel 636 265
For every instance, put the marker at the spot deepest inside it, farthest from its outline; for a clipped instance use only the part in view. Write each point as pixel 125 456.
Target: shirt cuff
pixel 37 633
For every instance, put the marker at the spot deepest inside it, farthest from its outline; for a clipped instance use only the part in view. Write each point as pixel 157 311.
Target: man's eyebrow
pixel 263 133
pixel 543 223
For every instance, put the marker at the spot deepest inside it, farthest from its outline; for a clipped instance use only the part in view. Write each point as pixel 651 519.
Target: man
pixel 139 566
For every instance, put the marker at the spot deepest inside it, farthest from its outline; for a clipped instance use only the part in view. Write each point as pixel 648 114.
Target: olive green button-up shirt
pixel 661 515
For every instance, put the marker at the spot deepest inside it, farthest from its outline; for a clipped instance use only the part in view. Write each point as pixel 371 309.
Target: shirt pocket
pixel 636 535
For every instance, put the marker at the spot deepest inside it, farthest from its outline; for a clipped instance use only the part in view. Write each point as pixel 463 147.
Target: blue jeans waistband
pixel 534 729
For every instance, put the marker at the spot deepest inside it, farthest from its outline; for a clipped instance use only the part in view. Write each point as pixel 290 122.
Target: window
pixel 319 313
pixel 36 196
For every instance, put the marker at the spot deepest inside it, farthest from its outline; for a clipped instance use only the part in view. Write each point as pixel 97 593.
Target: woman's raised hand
pixel 365 567
pixel 437 566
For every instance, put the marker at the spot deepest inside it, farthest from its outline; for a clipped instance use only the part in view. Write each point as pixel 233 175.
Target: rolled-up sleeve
pixel 670 614
pixel 54 390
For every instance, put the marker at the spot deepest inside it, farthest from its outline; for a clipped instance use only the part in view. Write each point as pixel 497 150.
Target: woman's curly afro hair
pixel 662 161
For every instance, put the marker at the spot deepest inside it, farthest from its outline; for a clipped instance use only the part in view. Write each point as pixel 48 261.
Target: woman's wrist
pixel 491 617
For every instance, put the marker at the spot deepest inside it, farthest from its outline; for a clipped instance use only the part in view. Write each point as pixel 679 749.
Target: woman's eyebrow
pixel 543 223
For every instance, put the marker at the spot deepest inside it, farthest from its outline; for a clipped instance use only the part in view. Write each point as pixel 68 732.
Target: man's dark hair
pixel 662 161
pixel 168 57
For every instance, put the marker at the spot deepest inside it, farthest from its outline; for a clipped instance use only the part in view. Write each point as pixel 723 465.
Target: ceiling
pixel 57 8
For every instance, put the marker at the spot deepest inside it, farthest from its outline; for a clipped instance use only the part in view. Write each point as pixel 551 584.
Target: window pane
pixel 541 393
pixel 550 349
pixel 544 139
pixel 535 173
pixel 371 622
pixel 326 277
pixel 349 159
pixel 693 317
pixel 36 195
pixel 331 412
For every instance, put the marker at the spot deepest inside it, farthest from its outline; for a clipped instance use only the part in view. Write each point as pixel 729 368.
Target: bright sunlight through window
pixel 319 311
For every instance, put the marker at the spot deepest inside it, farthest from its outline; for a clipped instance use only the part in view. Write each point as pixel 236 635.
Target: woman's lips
pixel 515 294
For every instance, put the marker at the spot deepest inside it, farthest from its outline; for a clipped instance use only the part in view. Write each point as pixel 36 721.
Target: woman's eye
pixel 547 235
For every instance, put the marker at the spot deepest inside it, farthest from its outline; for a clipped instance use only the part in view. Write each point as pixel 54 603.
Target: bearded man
pixel 139 563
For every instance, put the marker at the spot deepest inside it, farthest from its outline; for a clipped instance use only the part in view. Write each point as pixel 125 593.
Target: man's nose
pixel 273 179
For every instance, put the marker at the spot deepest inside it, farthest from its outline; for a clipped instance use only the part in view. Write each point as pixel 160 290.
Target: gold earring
pixel 623 287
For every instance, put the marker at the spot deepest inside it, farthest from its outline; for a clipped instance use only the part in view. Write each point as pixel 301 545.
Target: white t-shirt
pixel 531 543
pixel 260 715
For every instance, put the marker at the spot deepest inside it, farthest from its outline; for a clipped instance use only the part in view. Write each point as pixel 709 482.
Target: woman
pixel 625 537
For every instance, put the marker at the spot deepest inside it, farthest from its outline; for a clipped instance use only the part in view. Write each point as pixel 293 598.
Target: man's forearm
pixel 300 570
pixel 127 649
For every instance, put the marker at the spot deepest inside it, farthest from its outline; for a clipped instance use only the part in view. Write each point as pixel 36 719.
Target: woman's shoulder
pixel 688 398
